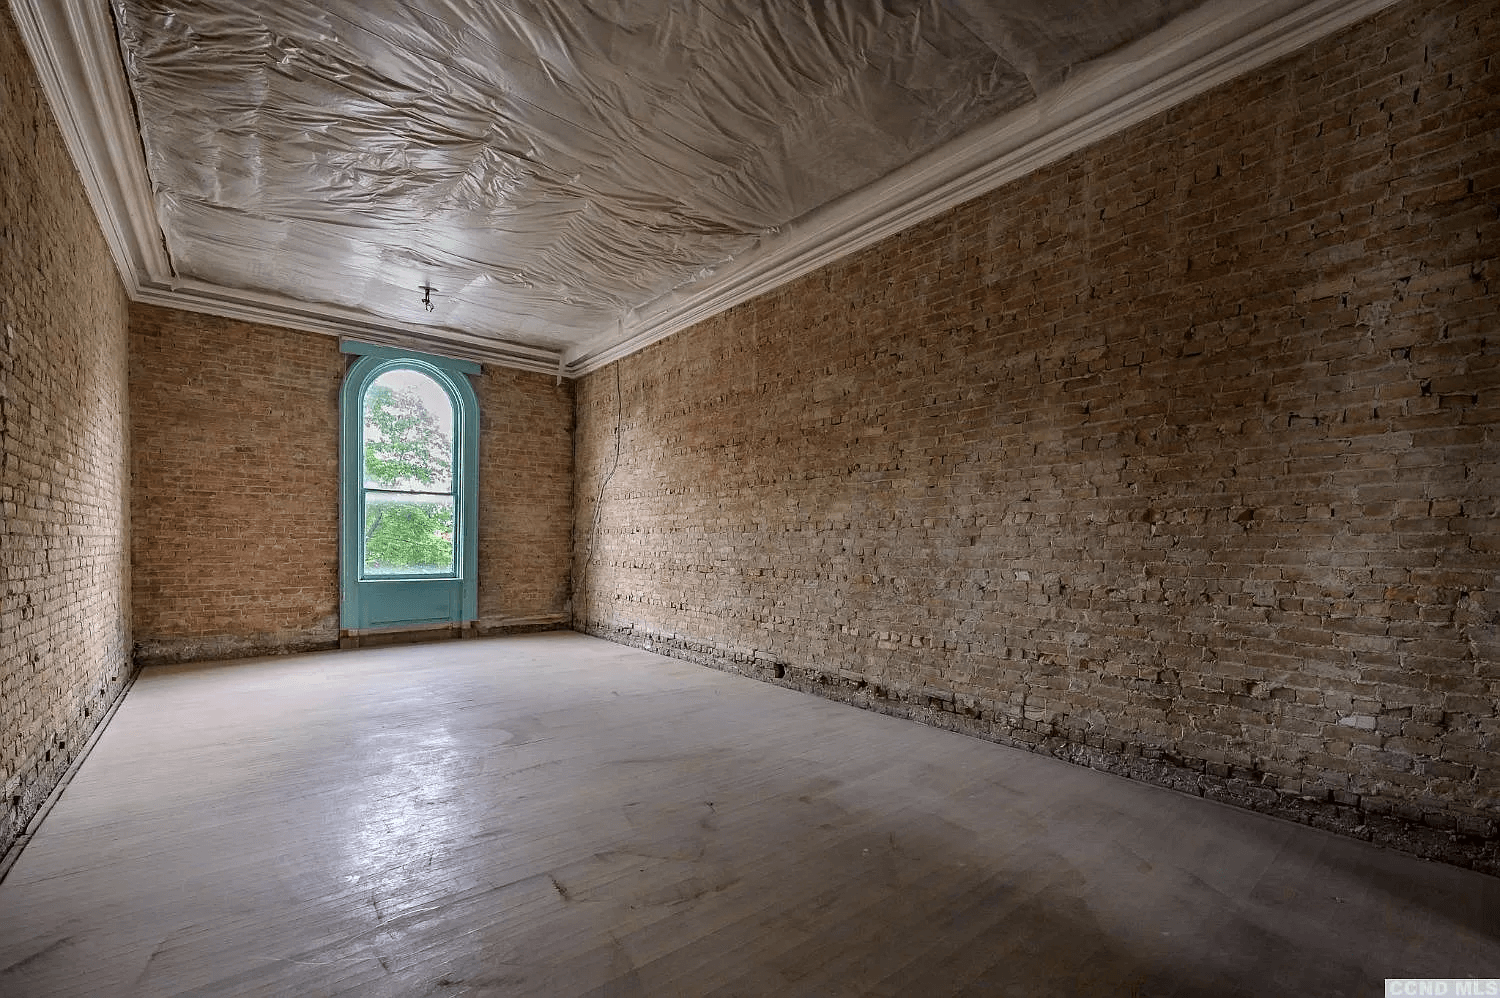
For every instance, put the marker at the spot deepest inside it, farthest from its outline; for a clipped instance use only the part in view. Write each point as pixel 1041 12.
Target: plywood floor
pixel 557 815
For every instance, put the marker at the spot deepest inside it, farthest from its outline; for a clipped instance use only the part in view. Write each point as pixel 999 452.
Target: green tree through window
pixel 408 476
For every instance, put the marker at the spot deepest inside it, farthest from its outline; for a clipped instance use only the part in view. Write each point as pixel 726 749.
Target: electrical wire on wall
pixel 588 557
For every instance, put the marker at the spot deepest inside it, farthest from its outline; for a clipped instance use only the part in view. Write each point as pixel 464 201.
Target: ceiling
pixel 564 182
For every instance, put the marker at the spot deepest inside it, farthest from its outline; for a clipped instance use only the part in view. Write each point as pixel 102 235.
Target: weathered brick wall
pixel 64 518
pixel 235 455
pixel 234 458
pixel 526 505
pixel 1177 458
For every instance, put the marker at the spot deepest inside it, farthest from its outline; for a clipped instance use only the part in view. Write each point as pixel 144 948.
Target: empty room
pixel 662 498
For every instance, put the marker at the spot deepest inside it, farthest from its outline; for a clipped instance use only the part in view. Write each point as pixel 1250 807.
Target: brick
pixel 64 550
pixel 235 435
pixel 234 457
pixel 526 499
pixel 1211 434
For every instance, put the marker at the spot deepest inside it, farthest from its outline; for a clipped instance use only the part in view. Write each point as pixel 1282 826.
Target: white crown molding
pixel 331 320
pixel 1219 41
pixel 73 44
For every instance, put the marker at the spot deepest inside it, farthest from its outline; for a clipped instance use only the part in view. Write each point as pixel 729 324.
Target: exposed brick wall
pixel 525 511
pixel 1177 458
pixel 64 518
pixel 234 457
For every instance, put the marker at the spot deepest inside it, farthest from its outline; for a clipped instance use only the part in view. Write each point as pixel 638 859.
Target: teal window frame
pixel 397 601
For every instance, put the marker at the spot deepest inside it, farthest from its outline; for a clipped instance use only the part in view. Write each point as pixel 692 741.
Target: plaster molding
pixel 74 48
pixel 330 320
pixel 77 56
pixel 1200 50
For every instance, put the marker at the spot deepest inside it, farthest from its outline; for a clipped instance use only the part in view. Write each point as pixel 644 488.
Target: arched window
pixel 409 460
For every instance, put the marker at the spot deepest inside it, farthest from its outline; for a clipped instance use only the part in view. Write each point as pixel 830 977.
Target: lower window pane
pixel 408 534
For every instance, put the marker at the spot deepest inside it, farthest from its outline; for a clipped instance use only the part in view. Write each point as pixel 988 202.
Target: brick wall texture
pixel 235 499
pixel 526 509
pixel 64 555
pixel 1177 458
pixel 235 443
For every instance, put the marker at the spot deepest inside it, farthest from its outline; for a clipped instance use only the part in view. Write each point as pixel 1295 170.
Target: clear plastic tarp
pixel 548 165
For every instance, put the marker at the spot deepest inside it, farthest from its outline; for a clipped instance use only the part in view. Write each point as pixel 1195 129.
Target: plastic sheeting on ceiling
pixel 548 165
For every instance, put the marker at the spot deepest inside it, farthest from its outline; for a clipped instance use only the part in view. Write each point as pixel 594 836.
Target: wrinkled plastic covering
pixel 547 165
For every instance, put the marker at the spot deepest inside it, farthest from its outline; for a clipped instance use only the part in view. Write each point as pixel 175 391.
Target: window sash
pixel 411 536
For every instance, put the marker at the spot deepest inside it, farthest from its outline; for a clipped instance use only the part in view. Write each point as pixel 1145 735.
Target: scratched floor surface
pixel 556 815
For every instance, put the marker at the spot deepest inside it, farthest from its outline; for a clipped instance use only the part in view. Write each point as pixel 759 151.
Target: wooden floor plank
pixel 556 815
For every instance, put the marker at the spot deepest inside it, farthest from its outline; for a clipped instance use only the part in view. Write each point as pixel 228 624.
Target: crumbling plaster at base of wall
pixel 1477 849
pixel 172 650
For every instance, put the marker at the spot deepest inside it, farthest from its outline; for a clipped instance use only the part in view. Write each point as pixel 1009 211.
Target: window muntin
pixel 408 528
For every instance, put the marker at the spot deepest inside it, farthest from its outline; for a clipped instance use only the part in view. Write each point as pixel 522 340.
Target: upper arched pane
pixel 408 433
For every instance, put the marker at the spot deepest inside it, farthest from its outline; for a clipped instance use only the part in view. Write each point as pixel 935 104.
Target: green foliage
pixel 406 448
pixel 404 445
pixel 408 538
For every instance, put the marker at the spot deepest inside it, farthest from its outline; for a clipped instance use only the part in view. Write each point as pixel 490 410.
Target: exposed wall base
pixel 379 637
pixel 1476 847
pixel 326 636
pixel 169 651
pixel 28 809
pixel 523 625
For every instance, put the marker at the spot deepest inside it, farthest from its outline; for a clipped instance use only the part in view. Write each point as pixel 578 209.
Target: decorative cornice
pixel 330 320
pixel 1217 42
pixel 73 45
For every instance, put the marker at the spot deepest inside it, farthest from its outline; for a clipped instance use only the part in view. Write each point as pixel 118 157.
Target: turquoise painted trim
pixel 396 353
pixel 392 602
